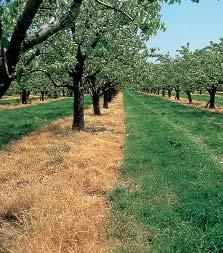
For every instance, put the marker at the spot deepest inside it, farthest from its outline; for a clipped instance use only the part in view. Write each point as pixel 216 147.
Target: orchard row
pixel 189 72
pixel 75 47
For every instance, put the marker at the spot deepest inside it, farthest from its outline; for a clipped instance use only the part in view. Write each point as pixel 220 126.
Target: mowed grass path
pixel 171 198
pixel 21 121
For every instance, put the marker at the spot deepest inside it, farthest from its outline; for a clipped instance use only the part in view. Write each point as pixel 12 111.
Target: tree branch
pixel 108 6
pixel 43 34
pixel 107 86
pixel 21 28
pixel 32 57
pixel 3 61
pixel 51 79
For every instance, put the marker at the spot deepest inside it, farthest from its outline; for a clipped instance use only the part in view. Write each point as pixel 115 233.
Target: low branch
pixel 66 21
pixel 3 61
pixel 47 74
pixel 108 85
pixel 32 57
pixel 21 28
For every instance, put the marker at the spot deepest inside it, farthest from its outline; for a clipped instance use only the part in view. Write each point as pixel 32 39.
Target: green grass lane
pixel 171 199
pixel 21 121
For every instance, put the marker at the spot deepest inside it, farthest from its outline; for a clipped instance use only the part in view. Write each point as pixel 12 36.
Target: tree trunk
pixel 63 92
pixel 212 100
pixel 212 93
pixel 110 95
pixel 177 97
pixel 105 100
pixel 189 96
pixel 78 109
pixel 4 83
pixel 55 95
pixel 42 96
pixel 163 92
pixel 78 89
pixel 169 93
pixel 24 96
pixel 96 104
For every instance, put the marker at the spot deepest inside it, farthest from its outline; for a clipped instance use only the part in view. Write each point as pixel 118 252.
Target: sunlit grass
pixel 16 123
pixel 171 198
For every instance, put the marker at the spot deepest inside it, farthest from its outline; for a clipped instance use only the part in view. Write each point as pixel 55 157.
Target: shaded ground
pixel 54 185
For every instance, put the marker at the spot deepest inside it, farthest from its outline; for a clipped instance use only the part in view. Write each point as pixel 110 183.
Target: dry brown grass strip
pixel 54 185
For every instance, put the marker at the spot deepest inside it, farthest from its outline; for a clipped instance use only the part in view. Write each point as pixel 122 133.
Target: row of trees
pixel 189 72
pixel 75 46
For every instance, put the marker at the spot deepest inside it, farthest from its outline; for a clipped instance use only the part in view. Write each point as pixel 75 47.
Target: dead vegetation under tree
pixel 54 185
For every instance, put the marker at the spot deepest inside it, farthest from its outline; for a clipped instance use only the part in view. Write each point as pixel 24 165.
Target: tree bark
pixel 63 92
pixel 42 95
pixel 78 89
pixel 163 92
pixel 169 93
pixel 78 108
pixel 96 104
pixel 19 44
pixel 189 96
pixel 212 92
pixel 105 100
pixel 55 95
pixel 19 34
pixel 177 90
pixel 24 96
pixel 67 20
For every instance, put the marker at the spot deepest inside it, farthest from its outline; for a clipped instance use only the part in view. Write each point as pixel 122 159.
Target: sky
pixel 190 22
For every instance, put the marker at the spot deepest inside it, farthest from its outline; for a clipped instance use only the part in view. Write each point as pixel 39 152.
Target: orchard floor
pixel 54 185
pixel 10 104
pixel 170 198
pixel 198 101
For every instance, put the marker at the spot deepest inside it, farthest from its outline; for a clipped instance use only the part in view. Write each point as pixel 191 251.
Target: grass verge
pixel 171 196
pixel 17 123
